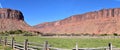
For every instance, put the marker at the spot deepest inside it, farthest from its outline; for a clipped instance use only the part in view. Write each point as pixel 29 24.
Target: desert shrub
pixel 11 32
pixel 16 32
pixel 27 34
pixel 115 34
pixel 4 34
pixel 39 33
pixel 73 34
pixel 49 34
pixel 86 34
pixel 104 34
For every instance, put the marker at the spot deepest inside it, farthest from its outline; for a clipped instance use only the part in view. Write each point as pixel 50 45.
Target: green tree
pixel 115 34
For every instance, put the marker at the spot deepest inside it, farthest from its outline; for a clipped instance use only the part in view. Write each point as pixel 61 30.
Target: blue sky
pixel 39 11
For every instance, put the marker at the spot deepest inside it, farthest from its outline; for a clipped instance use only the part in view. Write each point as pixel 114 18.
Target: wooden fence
pixel 26 45
pixel 110 47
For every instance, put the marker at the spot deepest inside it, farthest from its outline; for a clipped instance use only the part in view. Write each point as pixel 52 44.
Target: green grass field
pixel 70 42
pixel 1 47
pixel 5 48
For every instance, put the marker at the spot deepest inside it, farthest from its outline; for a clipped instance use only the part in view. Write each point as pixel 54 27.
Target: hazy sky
pixel 39 11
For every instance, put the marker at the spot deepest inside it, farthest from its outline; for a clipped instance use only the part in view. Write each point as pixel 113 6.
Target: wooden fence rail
pixel 26 45
pixel 110 47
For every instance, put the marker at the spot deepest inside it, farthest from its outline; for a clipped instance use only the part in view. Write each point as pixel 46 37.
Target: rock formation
pixel 13 20
pixel 97 22
pixel 11 14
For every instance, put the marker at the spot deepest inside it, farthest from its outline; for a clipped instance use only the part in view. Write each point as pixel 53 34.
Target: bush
pixel 115 34
pixel 86 34
pixel 49 34
pixel 104 34
pixel 27 34
pixel 3 34
pixel 16 32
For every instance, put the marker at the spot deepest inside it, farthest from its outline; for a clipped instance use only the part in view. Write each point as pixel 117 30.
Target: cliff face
pixel 104 13
pixel 13 20
pixel 11 14
pixel 98 22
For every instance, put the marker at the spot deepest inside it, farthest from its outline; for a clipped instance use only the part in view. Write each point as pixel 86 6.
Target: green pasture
pixel 70 43
pixel 5 47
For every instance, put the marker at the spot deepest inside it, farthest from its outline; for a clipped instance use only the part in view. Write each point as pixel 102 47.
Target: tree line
pixel 16 32
pixel 26 33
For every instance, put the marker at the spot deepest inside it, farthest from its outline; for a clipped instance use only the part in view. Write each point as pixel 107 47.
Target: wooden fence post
pixel 0 40
pixel 5 41
pixel 26 44
pixel 12 42
pixel 76 46
pixel 46 46
pixel 110 46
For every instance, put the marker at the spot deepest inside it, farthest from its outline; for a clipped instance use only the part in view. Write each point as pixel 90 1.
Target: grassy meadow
pixel 70 43
pixel 5 48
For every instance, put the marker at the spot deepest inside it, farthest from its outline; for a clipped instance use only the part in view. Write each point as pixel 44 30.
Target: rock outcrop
pixel 97 22
pixel 13 20
pixel 10 14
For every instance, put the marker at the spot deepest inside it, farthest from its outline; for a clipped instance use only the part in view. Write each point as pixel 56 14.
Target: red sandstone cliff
pixel 13 20
pixel 98 22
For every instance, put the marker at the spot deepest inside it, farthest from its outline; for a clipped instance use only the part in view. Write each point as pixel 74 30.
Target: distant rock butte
pixel 97 22
pixel 13 20
pixel 10 14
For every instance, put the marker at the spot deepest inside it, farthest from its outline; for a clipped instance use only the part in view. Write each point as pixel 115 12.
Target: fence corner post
pixel 26 44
